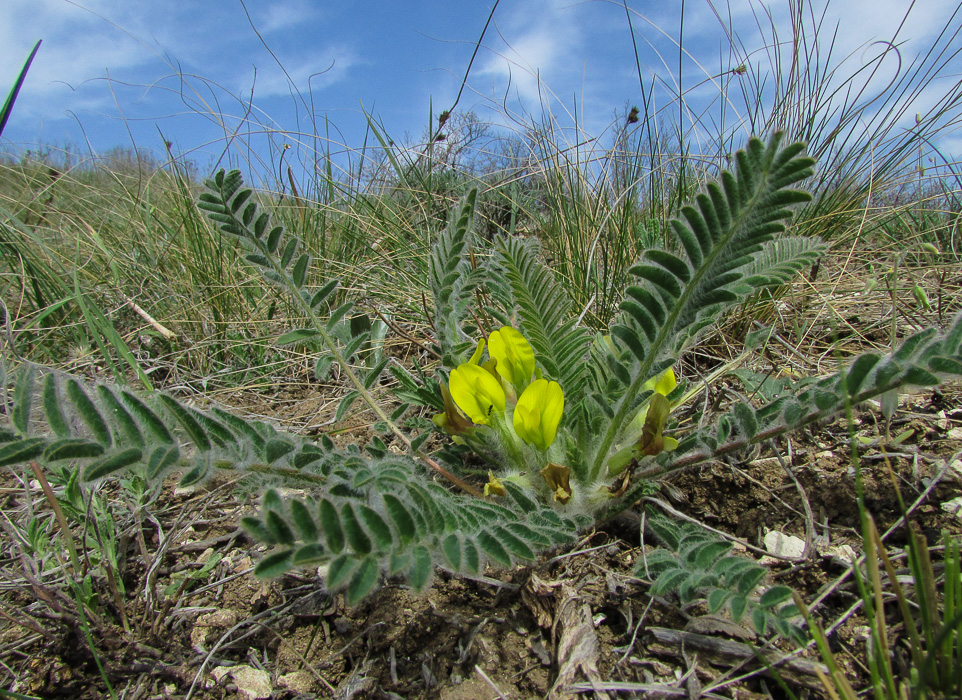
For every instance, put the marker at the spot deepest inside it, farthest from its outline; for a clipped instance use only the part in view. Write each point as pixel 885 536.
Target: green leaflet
pixel 112 463
pixel 514 544
pixel 493 548
pixel 422 566
pixel 161 459
pixel 309 555
pixel 299 272
pixel 339 570
pixel 277 449
pixel 331 526
pixel 323 293
pixel 52 406
pixel 273 565
pixel 187 421
pixel 471 557
pixel 355 535
pixel 21 451
pixel 129 433
pixel 303 521
pixel 147 418
pixel 88 413
pixel 451 546
pixel 363 581
pixel 195 475
pixel 72 448
pixel 255 528
pixel 298 335
pixel 694 564
pixel 401 517
pixel 377 526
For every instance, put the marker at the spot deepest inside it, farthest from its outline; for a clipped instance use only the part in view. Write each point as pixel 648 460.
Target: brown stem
pixel 58 512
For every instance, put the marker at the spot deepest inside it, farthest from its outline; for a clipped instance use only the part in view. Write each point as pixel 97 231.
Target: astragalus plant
pixel 570 426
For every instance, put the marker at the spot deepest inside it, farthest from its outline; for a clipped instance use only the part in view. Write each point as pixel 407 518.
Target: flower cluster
pixel 501 406
pixel 504 403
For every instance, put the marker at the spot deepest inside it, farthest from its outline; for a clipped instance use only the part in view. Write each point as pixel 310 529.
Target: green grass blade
pixel 15 90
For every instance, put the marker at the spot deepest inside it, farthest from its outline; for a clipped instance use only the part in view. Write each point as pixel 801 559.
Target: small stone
pixel 953 507
pixel 342 625
pixel 252 683
pixel 210 625
pixel 955 470
pixel 784 545
pixel 843 552
pixel 943 420
pixel 955 434
pixel 297 682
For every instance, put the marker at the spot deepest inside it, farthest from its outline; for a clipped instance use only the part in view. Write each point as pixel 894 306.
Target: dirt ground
pixel 578 623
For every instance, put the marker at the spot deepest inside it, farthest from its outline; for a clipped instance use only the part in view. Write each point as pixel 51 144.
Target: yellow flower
pixel 494 487
pixel 558 479
pixel 514 354
pixel 654 415
pixel 652 442
pixel 662 384
pixel 538 413
pixel 476 392
pixel 644 435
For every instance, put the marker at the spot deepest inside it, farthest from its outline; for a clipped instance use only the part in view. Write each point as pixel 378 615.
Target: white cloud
pixel 79 47
pixel 846 38
pixel 279 16
pixel 323 69
pixel 539 41
pixel 145 45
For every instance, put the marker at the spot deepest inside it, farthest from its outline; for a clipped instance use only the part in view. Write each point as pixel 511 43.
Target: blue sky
pixel 121 72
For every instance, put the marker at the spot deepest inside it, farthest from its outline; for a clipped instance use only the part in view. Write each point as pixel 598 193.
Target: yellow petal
pixel 476 392
pixel 514 354
pixel 538 413
pixel 476 357
pixel 662 384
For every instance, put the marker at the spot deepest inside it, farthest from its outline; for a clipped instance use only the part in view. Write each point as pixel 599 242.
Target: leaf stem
pixel 720 246
pixel 58 513
pixel 355 381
